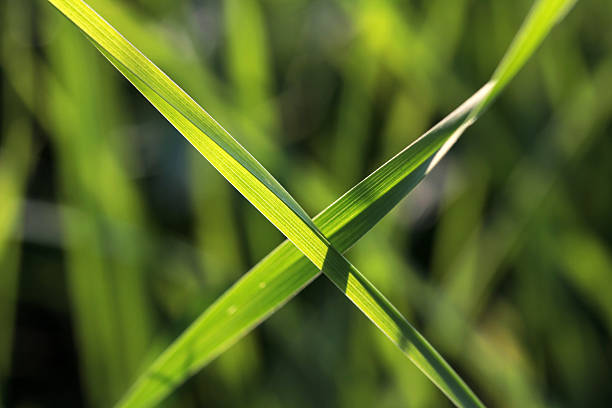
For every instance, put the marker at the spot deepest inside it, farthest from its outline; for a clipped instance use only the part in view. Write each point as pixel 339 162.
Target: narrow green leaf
pixel 285 271
pixel 265 193
pixel 340 271
pixel 214 142
pixel 253 181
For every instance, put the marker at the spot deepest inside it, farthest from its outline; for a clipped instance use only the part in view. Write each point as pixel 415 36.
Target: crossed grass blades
pixel 314 245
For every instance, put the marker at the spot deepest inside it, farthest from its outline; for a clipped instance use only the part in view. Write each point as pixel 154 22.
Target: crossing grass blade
pixel 344 275
pixel 355 213
pixel 285 271
pixel 265 193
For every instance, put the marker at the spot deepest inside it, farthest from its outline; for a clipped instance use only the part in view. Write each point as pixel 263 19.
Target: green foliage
pixel 320 92
pixel 272 200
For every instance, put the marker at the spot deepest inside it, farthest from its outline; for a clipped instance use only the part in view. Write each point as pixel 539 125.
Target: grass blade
pixel 17 159
pixel 265 193
pixel 342 273
pixel 253 181
pixel 285 271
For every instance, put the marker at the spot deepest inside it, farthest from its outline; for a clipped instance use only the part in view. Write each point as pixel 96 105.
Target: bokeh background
pixel 115 234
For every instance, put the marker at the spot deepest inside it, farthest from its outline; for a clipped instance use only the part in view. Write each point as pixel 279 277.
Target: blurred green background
pixel 115 234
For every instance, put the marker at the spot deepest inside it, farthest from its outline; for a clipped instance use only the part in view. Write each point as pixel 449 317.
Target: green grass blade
pixel 253 181
pixel 285 271
pixel 265 193
pixel 341 272
pixel 17 158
